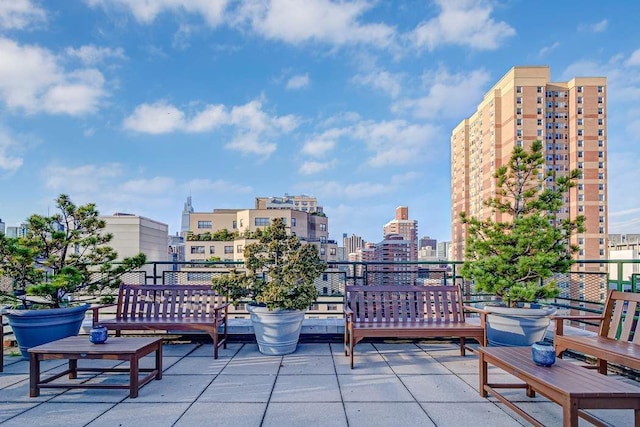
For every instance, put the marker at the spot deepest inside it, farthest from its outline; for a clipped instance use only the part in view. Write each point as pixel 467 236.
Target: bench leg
pixel 602 366
pixel 462 349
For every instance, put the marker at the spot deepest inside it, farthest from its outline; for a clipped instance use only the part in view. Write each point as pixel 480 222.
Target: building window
pixel 579 132
pixel 519 122
pixel 579 143
pixel 234 224
pixel 579 110
pixel 261 222
pixel 239 249
pixel 579 154
pixel 600 175
pixel 579 122
pixel 539 110
pixel 293 222
pixel 212 249
pixel 228 249
pixel 600 154
pixel 579 100
pixel 600 143
pixel 579 89
pixel 539 100
pixel 600 122
pixel 519 100
pixel 539 89
pixel 204 224
pixel 600 89
pixel 600 132
pixel 600 100
pixel 332 251
pixel 323 227
pixel 197 249
pixel 519 89
pixel 518 110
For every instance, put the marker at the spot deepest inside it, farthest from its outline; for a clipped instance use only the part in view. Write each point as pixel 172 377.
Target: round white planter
pixel 516 326
pixel 277 331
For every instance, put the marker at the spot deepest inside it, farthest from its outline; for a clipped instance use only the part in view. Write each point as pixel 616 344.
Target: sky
pixel 134 105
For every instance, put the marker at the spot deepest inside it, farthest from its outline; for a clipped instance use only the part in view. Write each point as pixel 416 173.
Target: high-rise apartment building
pixel 352 243
pixel 570 118
pixel 407 228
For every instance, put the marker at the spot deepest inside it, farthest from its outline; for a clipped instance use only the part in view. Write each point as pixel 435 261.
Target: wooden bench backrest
pixel 167 301
pixel 405 304
pixel 621 317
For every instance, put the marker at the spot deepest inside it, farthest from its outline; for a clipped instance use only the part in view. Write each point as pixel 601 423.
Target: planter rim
pixel 263 309
pixel 525 312
pixel 45 312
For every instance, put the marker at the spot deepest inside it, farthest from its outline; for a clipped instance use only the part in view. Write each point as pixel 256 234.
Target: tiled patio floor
pixel 393 384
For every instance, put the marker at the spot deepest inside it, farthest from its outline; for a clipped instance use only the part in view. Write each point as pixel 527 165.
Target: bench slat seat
pixel 618 339
pixel 407 312
pixel 169 307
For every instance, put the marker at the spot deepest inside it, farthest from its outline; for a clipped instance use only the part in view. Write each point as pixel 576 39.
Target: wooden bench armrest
pixel 348 313
pixel 96 308
pixel 559 321
pixel 474 309
pixel 576 317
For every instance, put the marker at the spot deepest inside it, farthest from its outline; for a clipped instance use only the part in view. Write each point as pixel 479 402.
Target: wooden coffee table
pixel 76 348
pixel 571 386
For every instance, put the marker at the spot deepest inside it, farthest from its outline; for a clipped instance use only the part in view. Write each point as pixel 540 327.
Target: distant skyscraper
pixel 187 210
pixel 1 226
pixel 427 241
pixel 570 118
pixel 407 228
pixel 352 244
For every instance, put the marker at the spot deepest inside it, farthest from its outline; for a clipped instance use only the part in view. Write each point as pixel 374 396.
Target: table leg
pixel 133 376
pixel 159 362
pixel 570 413
pixel 34 375
pixel 636 414
pixel 483 375
pixel 73 369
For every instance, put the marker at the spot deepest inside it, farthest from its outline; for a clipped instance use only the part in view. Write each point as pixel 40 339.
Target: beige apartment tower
pixel 570 118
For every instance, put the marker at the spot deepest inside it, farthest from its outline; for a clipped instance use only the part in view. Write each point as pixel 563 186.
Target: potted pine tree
pixel 279 279
pixel 60 255
pixel 513 257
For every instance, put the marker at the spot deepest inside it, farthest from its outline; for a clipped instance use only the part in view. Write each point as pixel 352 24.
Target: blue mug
pixel 98 334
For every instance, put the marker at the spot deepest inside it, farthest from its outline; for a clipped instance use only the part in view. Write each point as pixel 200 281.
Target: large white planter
pixel 517 327
pixel 277 331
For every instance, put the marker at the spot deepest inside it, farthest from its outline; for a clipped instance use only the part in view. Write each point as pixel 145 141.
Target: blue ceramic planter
pixel 34 327
pixel 98 334
pixel 543 354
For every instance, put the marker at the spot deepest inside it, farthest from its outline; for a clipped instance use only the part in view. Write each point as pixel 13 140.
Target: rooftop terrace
pixel 424 383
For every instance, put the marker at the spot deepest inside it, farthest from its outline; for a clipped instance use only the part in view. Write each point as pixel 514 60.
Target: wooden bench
pixel 169 307
pixel 407 312
pixel 618 340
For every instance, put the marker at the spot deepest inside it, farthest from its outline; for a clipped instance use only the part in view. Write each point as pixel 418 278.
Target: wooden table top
pixel 564 376
pixel 81 344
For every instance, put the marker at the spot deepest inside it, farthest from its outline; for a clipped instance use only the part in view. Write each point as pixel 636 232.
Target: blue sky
pixel 137 104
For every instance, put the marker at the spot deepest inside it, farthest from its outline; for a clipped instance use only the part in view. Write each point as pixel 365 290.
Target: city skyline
pixel 136 106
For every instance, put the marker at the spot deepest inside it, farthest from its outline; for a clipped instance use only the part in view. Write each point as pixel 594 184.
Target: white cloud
pixel 19 14
pixel 382 80
pixel 634 59
pixel 395 142
pixel 33 80
pixel 352 191
pixel 548 49
pixel 463 22
pixel 155 119
pixel 146 11
pixel 298 82
pixel 325 21
pixel 253 126
pixel 598 27
pixel 155 185
pixel 9 162
pixel 86 179
pixel 313 167
pixel 448 95
pixel 321 144
pixel 90 54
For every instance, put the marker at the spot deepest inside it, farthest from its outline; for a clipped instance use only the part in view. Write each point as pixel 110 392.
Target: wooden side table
pixel 573 387
pixel 76 348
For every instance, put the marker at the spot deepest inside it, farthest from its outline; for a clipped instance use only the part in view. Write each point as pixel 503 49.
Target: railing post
pixel 619 278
